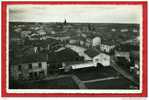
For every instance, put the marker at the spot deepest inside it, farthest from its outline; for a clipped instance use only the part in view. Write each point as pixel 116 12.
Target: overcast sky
pixel 75 13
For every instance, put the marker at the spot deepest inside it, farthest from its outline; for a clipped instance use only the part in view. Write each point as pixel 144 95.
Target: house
pixel 96 41
pixel 79 50
pixel 31 67
pixel 58 58
pixel 124 30
pixel 72 41
pixel 64 38
pixel 26 33
pixel 81 43
pixel 84 35
pixel 106 48
pixel 77 41
pixel 98 57
pixel 125 54
pixel 85 29
pixel 41 32
pixel 53 32
pixel 113 30
pixel 26 71
pixel 34 37
pixel 102 58
pixel 17 41
pixel 87 44
pixel 127 50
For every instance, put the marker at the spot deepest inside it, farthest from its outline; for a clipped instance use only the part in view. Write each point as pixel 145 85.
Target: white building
pixel 72 41
pixel 98 57
pixel 96 41
pixel 106 48
pixel 102 58
pixel 113 30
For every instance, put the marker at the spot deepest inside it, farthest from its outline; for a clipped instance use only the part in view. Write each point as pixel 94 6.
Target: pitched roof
pixel 26 55
pixel 29 59
pixel 63 55
pixel 92 52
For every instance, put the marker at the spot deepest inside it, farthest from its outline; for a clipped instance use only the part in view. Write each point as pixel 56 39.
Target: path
pixel 102 79
pixel 121 71
pixel 79 82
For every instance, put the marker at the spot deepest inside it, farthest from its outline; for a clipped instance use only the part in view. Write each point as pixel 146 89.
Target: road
pixel 121 71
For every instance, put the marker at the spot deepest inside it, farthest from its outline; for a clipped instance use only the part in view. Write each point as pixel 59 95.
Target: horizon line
pixel 71 22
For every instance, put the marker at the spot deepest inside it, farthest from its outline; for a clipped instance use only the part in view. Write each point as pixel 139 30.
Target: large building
pixel 98 57
pixel 31 67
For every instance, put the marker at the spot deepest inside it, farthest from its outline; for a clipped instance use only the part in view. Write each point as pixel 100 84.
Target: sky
pixel 75 13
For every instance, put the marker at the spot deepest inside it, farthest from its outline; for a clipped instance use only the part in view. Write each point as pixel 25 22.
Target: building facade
pixel 29 71
pixel 102 58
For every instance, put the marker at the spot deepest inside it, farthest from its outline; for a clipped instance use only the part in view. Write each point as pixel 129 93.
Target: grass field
pixel 85 75
pixel 92 73
pixel 110 84
pixel 61 83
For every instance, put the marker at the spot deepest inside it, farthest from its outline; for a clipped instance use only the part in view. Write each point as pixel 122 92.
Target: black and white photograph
pixel 74 47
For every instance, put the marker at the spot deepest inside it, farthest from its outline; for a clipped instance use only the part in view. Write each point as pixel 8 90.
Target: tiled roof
pixel 64 55
pixel 92 52
pixel 29 59
pixel 26 55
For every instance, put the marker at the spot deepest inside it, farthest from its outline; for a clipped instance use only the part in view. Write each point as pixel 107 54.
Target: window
pixel 30 66
pixel 40 65
pixel 19 67
pixel 20 76
pixel 41 74
pixel 30 75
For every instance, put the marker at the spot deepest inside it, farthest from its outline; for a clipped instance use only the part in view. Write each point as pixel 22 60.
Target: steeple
pixel 65 22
